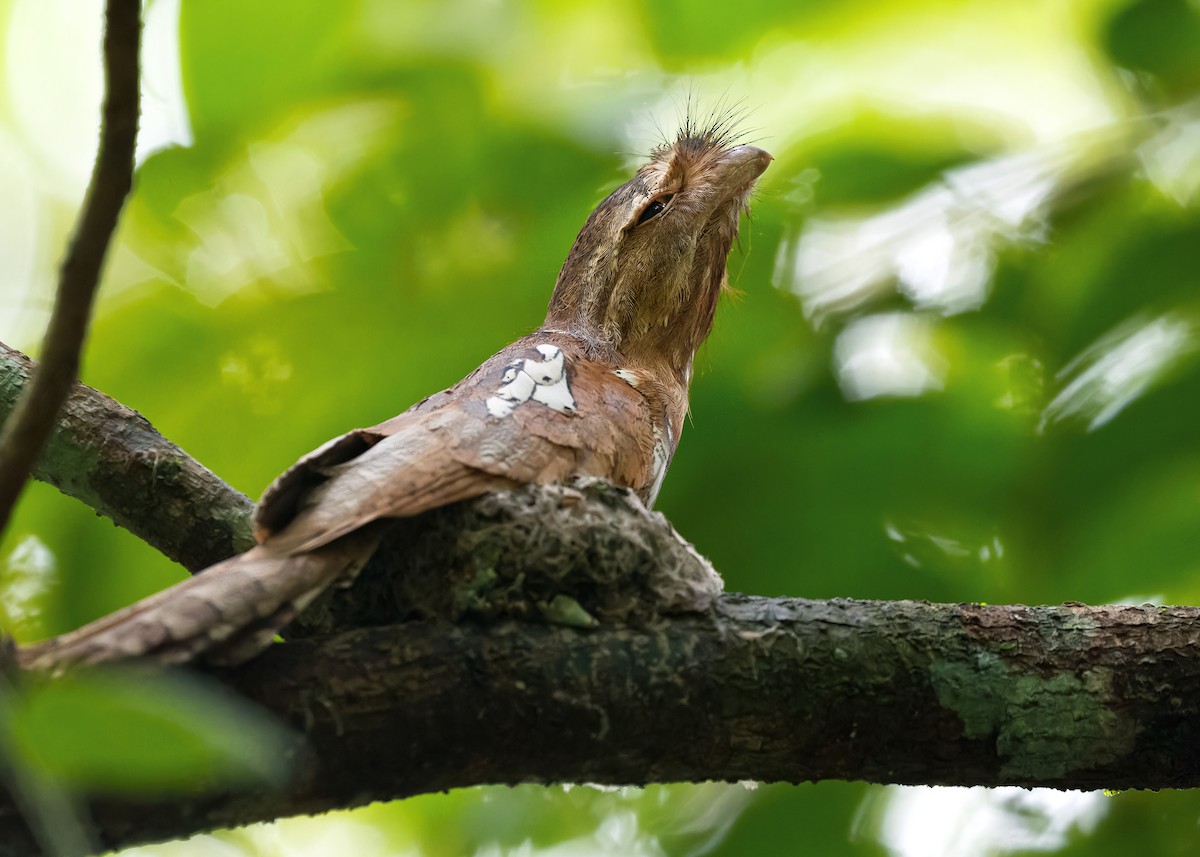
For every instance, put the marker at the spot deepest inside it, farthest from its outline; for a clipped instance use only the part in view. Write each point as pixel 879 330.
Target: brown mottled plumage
pixel 601 389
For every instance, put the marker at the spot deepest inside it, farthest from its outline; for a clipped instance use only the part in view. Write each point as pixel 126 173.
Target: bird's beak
pixel 740 167
pixel 747 161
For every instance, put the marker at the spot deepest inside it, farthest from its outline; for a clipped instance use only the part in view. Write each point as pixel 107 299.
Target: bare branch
pixel 759 689
pixel 109 457
pixel 25 432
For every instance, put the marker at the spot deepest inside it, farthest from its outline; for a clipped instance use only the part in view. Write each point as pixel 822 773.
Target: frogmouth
pixel 600 389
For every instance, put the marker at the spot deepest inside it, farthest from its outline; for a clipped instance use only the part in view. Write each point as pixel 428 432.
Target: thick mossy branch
pixel 110 458
pixel 746 688
pixel 581 554
pixel 759 689
pixel 763 689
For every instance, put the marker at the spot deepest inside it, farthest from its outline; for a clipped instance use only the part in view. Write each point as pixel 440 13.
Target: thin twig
pixel 25 432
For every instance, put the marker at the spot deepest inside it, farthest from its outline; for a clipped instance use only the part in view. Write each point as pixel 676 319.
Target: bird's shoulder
pixel 553 405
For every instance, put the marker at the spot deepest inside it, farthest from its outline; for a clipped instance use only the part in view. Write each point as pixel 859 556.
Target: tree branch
pixel 25 431
pixel 110 458
pixel 761 689
pixel 758 689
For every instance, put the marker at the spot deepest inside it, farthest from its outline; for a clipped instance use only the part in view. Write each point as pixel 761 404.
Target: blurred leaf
pixel 808 818
pixel 878 158
pixel 1161 38
pixel 134 731
pixel 682 31
pixel 1147 823
pixel 245 63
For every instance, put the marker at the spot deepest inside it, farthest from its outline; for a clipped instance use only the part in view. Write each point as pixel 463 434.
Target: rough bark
pixel 762 689
pixel 110 458
pixel 581 554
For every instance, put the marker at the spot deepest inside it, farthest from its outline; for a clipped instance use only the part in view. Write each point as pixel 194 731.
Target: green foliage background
pixel 379 194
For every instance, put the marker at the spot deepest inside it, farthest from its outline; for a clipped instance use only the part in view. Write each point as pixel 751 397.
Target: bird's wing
pixel 402 474
pixel 539 411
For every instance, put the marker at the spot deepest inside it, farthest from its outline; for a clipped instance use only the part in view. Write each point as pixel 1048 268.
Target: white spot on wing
pixel 557 396
pixel 543 381
pixel 547 371
pixel 519 389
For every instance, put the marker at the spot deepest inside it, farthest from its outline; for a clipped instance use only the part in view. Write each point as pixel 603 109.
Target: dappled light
pixel 48 141
pixel 940 246
pixel 919 548
pixel 1171 157
pixel 27 576
pixel 887 355
pixel 927 822
pixel 1111 373
pixel 264 221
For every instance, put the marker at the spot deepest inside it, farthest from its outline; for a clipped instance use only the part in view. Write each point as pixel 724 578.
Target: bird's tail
pixel 223 615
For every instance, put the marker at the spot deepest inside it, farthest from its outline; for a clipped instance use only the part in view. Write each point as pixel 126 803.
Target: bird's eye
pixel 655 208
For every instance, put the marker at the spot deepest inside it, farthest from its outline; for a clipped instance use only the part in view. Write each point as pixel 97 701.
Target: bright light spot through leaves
pixel 1118 368
pixel 887 355
pixel 25 576
pixel 938 247
pixel 938 822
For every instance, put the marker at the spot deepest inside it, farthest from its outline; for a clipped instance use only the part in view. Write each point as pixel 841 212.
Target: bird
pixel 600 389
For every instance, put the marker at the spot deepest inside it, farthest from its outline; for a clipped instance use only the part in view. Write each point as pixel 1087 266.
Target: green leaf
pixel 138 731
pixel 1161 37
pixel 683 32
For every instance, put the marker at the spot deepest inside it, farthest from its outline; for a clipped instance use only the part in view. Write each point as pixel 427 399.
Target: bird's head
pixel 645 272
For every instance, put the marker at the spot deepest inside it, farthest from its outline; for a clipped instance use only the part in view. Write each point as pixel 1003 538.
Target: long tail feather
pixel 225 614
